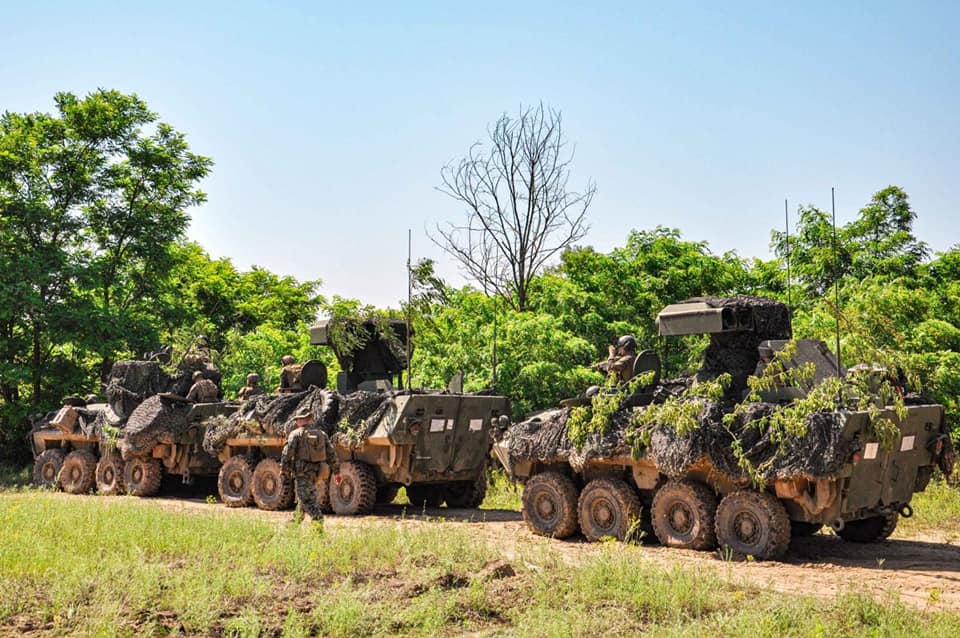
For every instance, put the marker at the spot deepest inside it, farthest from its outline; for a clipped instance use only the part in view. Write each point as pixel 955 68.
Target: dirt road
pixel 922 571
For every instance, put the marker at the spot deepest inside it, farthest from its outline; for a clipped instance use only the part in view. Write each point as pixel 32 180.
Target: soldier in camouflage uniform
pixel 252 389
pixel 203 390
pixel 622 358
pixel 308 456
pixel 289 375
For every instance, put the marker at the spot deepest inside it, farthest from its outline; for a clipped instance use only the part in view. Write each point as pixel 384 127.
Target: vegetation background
pixel 94 268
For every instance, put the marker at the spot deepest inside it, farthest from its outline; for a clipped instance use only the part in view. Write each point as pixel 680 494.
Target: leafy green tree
pixel 88 203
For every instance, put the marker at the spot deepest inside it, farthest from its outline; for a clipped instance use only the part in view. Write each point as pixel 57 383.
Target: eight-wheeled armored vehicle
pixel 691 488
pixel 434 443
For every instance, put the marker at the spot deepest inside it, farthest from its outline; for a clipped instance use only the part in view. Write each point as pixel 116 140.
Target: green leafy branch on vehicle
pixel 597 417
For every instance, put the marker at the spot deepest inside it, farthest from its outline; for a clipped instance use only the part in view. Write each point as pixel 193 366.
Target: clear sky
pixel 329 123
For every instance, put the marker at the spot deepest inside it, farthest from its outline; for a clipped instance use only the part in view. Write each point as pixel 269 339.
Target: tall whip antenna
pixel 836 273
pixel 786 219
pixel 495 303
pixel 409 302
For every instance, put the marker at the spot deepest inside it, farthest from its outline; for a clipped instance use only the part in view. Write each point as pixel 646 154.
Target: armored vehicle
pixel 732 480
pixel 435 443
pixel 126 443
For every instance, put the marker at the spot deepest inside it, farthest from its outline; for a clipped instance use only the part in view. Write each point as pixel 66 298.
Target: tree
pixel 89 203
pixel 519 211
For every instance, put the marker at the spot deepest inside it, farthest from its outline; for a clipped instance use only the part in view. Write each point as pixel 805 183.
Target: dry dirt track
pixel 923 571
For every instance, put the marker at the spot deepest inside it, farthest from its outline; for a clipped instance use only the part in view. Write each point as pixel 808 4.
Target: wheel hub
pixel 49 472
pixel 137 474
pixel 680 517
pixel 747 528
pixel 108 474
pixel 346 490
pixel 602 514
pixel 236 481
pixel 545 507
pixel 270 485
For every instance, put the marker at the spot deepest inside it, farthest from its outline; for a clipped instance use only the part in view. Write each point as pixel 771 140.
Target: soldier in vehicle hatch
pixel 203 390
pixel 252 389
pixel 621 360
pixel 289 375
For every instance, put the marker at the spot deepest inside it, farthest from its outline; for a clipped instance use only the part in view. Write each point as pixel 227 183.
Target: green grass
pixel 935 509
pixel 123 566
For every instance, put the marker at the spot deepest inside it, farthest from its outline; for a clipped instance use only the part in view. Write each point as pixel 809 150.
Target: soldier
pixel 252 389
pixel 290 375
pixel 622 358
pixel 203 390
pixel 308 455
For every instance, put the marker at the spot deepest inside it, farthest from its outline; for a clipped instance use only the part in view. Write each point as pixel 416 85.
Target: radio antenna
pixel 786 220
pixel 409 302
pixel 836 273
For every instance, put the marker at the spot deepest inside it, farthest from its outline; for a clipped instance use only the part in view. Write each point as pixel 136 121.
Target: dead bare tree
pixel 519 213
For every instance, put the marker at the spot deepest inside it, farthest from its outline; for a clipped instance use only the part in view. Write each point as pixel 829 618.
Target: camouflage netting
pixel 356 414
pixel 133 381
pixel 821 453
pixel 154 421
pixel 736 352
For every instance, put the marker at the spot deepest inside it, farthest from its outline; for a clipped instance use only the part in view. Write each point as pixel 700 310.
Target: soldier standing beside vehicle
pixel 308 456
pixel 252 389
pixel 619 364
pixel 203 390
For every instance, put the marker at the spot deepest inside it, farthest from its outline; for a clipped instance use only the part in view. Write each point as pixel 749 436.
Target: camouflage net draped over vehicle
pixel 820 453
pixel 353 416
pixel 154 421
pixel 133 381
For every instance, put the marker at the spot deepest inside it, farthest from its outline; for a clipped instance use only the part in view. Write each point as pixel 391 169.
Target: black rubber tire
pixel 356 493
pixel 110 474
pixel 466 494
pixel 234 482
pixel 800 529
pixel 753 524
pixel 608 508
pixel 550 505
pixel 141 476
pixel 683 515
pixel 271 490
pixel 421 496
pixel 79 472
pixel 387 493
pixel 869 530
pixel 46 468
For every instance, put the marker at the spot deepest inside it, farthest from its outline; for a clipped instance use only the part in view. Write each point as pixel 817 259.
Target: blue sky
pixel 329 123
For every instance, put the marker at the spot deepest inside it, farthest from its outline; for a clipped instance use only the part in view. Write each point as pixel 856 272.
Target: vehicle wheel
pixel 421 496
pixel 799 529
pixel 386 493
pixel 110 474
pixel 46 468
pixel 608 507
pixel 753 524
pixel 466 494
pixel 270 489
pixel 79 472
pixel 869 530
pixel 141 476
pixel 550 505
pixel 234 482
pixel 356 492
pixel 683 515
